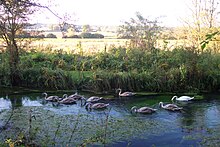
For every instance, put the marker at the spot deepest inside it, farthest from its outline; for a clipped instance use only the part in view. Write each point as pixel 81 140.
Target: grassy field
pixel 92 46
pixel 88 46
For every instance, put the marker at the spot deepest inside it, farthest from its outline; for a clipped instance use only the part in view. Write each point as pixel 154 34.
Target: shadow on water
pixel 62 125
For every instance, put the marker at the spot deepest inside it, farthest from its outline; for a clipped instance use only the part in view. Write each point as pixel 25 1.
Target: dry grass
pixel 88 46
pixel 92 46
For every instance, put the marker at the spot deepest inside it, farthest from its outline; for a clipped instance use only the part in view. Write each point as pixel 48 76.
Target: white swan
pixel 143 110
pixel 125 93
pixel 182 98
pixel 171 107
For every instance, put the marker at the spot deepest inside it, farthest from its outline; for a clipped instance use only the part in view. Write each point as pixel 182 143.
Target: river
pixel 48 124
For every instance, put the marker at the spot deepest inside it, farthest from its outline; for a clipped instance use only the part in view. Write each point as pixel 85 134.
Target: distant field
pixel 89 46
pixel 92 46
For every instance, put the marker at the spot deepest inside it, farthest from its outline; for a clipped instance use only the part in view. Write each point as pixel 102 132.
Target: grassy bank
pixel 179 70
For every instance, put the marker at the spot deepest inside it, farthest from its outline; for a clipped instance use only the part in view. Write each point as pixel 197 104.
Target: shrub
pixel 51 35
pixel 90 35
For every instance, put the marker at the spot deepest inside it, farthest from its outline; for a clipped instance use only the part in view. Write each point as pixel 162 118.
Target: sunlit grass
pixel 89 46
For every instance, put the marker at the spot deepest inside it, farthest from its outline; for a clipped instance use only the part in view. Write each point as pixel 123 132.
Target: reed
pixel 178 70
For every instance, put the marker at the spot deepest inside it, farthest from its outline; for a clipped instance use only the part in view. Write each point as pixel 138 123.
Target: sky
pixel 114 12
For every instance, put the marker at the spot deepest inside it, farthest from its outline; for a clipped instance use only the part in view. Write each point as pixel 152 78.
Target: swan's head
pixel 44 94
pixel 133 109
pixel 65 96
pixel 160 104
pixel 174 97
pixel 119 89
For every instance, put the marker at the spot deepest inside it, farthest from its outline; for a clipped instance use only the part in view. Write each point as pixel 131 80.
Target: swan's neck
pixel 45 95
pixel 161 104
pixel 134 110
pixel 65 96
pixel 88 105
pixel 83 101
pixel 175 97
pixel 119 92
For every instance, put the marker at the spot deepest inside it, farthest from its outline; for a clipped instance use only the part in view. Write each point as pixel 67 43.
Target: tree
pixel 86 29
pixel 142 32
pixel 202 21
pixel 13 18
pixel 70 32
pixel 51 35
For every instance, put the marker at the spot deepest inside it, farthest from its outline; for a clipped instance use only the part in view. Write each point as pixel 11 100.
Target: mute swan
pixel 171 107
pixel 143 110
pixel 182 98
pixel 75 96
pixel 125 93
pixel 67 100
pixel 93 99
pixel 96 106
pixel 50 98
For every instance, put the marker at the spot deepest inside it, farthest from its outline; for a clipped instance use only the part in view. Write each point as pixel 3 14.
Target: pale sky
pixel 115 12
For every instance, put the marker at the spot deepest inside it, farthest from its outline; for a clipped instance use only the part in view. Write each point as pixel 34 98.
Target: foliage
pixel 202 20
pixel 90 35
pixel 179 70
pixel 14 16
pixel 86 29
pixel 51 35
pixel 208 38
pixel 142 32
pixel 33 34
pixel 73 36
pixel 4 70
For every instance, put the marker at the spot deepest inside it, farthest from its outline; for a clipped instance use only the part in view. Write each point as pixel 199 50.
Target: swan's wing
pixel 99 105
pixel 172 106
pixel 185 98
pixel 93 98
pixel 127 94
pixel 146 110
pixel 51 98
pixel 68 101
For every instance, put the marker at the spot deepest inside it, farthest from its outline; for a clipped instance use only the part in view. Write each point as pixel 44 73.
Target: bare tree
pixel 201 21
pixel 211 13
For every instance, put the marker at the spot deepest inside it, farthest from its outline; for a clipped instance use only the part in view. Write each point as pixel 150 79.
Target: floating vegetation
pixel 39 123
pixel 49 128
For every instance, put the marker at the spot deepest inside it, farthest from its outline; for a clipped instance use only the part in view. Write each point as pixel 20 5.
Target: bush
pixel 73 36
pixel 90 35
pixel 51 35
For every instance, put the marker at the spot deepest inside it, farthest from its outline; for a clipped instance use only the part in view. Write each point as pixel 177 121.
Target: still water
pixel 48 124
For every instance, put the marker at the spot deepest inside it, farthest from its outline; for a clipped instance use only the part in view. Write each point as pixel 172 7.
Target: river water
pixel 49 124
